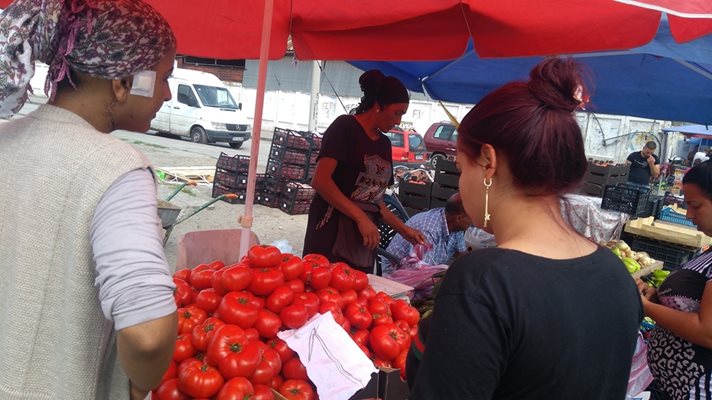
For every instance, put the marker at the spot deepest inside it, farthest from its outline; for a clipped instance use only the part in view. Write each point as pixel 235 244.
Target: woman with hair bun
pixel 353 170
pixel 547 314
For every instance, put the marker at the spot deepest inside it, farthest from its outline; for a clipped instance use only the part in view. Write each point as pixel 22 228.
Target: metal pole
pixel 314 98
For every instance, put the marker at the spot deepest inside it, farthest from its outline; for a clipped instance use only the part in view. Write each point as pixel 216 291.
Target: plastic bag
pixel 283 246
pixel 640 375
pixel 412 271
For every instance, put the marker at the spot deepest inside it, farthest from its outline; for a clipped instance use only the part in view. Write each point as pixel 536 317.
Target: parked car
pixel 203 110
pixel 408 147
pixel 441 141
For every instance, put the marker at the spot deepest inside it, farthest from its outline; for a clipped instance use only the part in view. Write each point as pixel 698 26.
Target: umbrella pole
pixel 246 219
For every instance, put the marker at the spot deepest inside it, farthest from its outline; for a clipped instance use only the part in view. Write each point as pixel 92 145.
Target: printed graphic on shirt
pixel 372 183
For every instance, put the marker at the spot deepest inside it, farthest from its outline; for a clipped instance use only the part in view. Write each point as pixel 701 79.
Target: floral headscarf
pixel 109 39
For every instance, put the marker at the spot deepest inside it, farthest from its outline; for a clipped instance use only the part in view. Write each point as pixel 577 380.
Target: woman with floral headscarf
pixel 85 291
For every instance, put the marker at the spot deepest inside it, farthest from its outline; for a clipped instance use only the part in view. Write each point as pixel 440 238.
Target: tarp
pixel 691 130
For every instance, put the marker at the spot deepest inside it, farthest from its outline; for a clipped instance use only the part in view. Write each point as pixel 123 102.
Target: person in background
pixel 353 170
pixel 680 346
pixel 86 295
pixel 644 165
pixel 443 228
pixel 547 314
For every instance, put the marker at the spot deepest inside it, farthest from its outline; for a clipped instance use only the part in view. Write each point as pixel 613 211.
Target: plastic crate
pixel 447 179
pixel 220 190
pixel 286 171
pixel 667 214
pixel 230 180
pixel 290 156
pixel 654 206
pixel 441 192
pixel 298 191
pixel 294 207
pixel 672 256
pixel 314 140
pixel 626 199
pixel 291 139
pixel 236 163
pixel 268 199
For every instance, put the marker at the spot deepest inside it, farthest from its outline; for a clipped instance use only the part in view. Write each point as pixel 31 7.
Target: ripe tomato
pixel 208 300
pixel 360 280
pixel 216 282
pixel 236 308
pixel 309 300
pixel 316 259
pixel 366 293
pixel 264 256
pixel 296 285
pixel 361 336
pixel 198 379
pixel 268 324
pixel 295 389
pixel 294 369
pixel 200 276
pixel 358 316
pixel 320 278
pixel 342 278
pixel 349 297
pixel 171 372
pixel 183 274
pixel 334 309
pixel 305 276
pixel 330 294
pixel 252 335
pixel 203 333
pixel 382 364
pixel 236 278
pixel 237 388
pixel 291 266
pixel 384 297
pixel 265 280
pixel 294 316
pixel 224 334
pixel 169 390
pixel 268 367
pixel 262 392
pixel 280 346
pixel 280 298
pixel 189 317
pixel 399 362
pixel 384 341
pixel 378 307
pixel 183 293
pixel 216 265
pixel 401 310
pixel 365 350
pixel 233 353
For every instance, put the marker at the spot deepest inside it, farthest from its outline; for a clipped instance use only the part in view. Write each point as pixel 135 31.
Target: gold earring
pixel 487 189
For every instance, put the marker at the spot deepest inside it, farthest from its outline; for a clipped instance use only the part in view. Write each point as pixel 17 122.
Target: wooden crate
pixel 667 232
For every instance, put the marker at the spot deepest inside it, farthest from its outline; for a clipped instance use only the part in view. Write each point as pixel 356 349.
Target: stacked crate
pixel 599 175
pixel 445 183
pixel 231 177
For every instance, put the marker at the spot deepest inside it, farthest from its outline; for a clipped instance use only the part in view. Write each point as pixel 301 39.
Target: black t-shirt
pixel 510 325
pixel 363 173
pixel 639 169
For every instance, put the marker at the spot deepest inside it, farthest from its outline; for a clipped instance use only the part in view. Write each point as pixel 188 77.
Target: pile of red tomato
pixel 229 317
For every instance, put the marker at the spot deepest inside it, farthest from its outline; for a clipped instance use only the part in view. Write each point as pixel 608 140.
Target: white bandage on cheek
pixel 143 83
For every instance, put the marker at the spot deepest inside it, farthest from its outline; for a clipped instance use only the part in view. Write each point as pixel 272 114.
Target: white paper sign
pixel 334 362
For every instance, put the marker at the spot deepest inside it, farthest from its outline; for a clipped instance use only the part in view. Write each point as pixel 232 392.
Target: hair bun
pixel 371 82
pixel 558 84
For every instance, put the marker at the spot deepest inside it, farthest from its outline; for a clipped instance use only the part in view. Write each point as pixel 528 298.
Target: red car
pixel 441 141
pixel 408 147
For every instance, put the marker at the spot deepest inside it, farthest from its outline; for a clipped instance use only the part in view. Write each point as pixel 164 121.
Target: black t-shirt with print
pixel 639 168
pixel 363 172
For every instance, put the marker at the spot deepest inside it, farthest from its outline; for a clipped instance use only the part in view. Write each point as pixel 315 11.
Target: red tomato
pixel 198 379
pixel 216 265
pixel 236 278
pixel 296 285
pixel 403 338
pixel 203 333
pixel 268 324
pixel 208 300
pixel 330 306
pixel 183 274
pixel 399 362
pixel 349 297
pixel 361 336
pixel 280 298
pixel 295 389
pixel 225 334
pixel 280 346
pixel 320 278
pixel 291 266
pixel 294 369
pixel 330 294
pixel 265 280
pixel 294 316
pixel 384 341
pixel 381 364
pixel 384 297
pixel 252 334
pixel 305 276
pixel 366 293
pixel 238 388
pixel 169 390
pixel 342 278
pixel 358 316
pixel 236 308
pixel 365 350
pixel 401 310
pixel 277 381
pixel 171 372
pixel 309 300
pixel 200 276
pixel 233 353
pixel 360 280
pixel 262 392
pixel 216 282
pixel 346 325
pixel 184 348
pixel 268 367
pixel 264 256
pixel 381 319
pixel 316 259
pixel 378 307
pixel 183 293
pixel 189 317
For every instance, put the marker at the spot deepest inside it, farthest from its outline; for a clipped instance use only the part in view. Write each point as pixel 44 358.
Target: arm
pixel 412 235
pixel 324 184
pixel 695 327
pixel 133 277
pixel 654 165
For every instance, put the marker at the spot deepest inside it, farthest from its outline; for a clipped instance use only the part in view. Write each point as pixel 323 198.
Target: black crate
pixel 260 181
pixel 606 174
pixel 655 203
pixel 220 190
pixel 447 166
pixel 291 139
pixel 269 199
pixel 418 189
pixel 673 256
pixel 236 163
pixel 441 192
pixel 591 189
pixel 297 191
pixel 314 139
pixel 230 180
pixel 447 179
pixel 627 199
pixel 414 201
pixel 273 184
pixel 290 156
pixel 294 207
pixel 436 202
pixel 287 171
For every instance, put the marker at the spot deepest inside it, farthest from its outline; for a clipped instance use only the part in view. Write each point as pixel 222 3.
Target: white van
pixel 202 109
